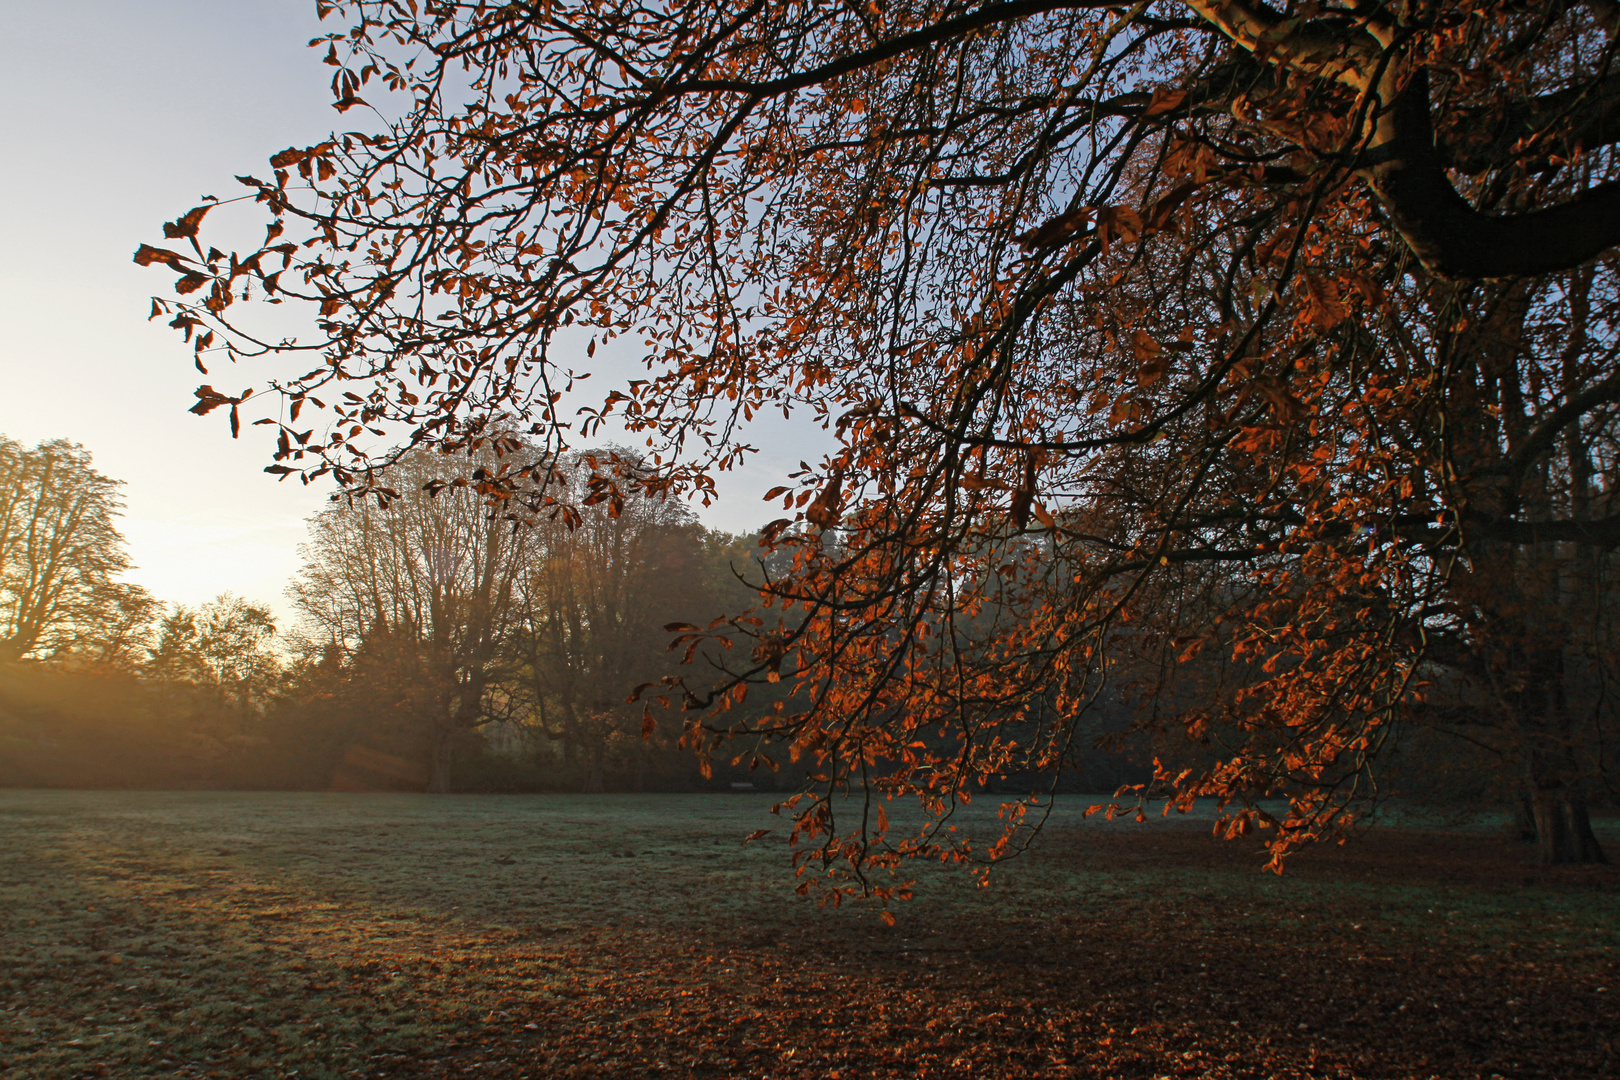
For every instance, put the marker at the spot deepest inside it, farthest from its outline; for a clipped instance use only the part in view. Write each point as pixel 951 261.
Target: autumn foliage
pixel 1256 364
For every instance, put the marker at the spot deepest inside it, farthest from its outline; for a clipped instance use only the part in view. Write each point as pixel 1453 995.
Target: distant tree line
pixel 451 642
pixel 446 643
pixel 462 636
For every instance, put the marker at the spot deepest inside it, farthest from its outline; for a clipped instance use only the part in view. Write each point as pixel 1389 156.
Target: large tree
pixel 592 611
pixel 1141 328
pixel 423 590
pixel 60 553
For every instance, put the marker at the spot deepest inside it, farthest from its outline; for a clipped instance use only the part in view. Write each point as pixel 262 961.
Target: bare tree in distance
pixel 434 574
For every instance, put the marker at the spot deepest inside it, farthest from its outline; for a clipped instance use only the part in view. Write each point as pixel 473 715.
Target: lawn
pixel 274 935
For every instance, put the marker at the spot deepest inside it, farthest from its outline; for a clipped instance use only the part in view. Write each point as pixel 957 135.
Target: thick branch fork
pixel 1405 168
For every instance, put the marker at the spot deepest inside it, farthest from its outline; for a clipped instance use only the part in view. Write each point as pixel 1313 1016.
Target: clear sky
pixel 119 115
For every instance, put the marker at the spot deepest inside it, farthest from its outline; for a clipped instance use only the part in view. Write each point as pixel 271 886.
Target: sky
pixel 122 114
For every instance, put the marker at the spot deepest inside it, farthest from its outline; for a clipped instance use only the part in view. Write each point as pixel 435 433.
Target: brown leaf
pixel 1118 221
pixel 146 255
pixel 186 226
pixel 1159 213
pixel 977 482
pixel 1323 308
pixel 1284 405
pixel 824 511
pixel 1018 510
pixel 1151 360
pixel 209 399
pixel 1023 499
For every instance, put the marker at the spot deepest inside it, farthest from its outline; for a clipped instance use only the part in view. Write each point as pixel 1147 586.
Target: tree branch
pixel 1452 238
pixel 1602 533
pixel 1485 138
pixel 1336 51
pixel 1546 432
pixel 1405 168
pixel 989 15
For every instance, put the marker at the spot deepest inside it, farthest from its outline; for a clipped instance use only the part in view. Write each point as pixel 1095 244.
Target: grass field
pixel 279 935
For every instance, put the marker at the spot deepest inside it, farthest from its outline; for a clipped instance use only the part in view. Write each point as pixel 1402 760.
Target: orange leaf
pixel 1165 100
pixel 1323 308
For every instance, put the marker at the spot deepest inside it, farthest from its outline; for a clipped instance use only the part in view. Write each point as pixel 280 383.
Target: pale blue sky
pixel 120 114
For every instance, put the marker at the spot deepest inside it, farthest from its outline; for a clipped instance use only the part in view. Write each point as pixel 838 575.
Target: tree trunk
pixel 1579 822
pixel 1524 820
pixel 1564 830
pixel 593 774
pixel 439 762
pixel 1553 772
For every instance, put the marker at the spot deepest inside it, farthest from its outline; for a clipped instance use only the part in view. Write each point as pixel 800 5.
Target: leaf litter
pixel 212 935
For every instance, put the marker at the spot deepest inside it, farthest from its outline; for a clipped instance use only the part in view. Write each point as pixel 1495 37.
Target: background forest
pixel 439 646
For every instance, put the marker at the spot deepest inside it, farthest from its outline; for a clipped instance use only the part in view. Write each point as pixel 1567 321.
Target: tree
pixel 223 647
pixel 212 674
pixel 1526 633
pixel 422 586
pixel 59 550
pixel 119 637
pixel 1142 330
pixel 593 607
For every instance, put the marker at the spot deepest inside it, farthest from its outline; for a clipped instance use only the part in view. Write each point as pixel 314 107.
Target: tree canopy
pixel 448 617
pixel 60 553
pixel 1282 336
